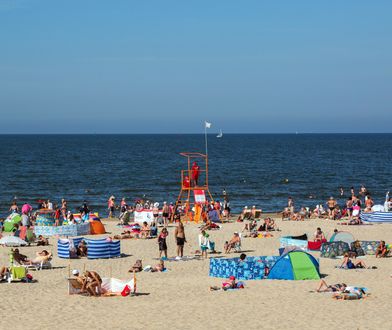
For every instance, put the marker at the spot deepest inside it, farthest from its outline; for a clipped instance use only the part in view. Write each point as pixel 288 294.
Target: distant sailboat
pixel 220 134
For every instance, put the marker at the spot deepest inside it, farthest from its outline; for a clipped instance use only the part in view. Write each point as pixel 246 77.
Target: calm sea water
pixel 251 167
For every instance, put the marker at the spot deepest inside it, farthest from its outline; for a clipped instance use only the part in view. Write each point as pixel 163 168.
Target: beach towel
pixel 18 272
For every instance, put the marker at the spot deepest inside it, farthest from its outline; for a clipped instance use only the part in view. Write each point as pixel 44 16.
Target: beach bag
pixel 126 291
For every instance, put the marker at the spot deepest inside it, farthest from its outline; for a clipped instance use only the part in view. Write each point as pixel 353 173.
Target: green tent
pixel 295 265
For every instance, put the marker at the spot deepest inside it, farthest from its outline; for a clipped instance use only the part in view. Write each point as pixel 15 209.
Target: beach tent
pixel 295 265
pixel 97 227
pixel 342 236
pixel 334 249
pixel 11 220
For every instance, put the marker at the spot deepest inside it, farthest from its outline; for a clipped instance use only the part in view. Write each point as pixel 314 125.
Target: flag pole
pixel 205 135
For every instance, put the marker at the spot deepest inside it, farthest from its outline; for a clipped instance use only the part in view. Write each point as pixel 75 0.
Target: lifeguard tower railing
pixel 188 184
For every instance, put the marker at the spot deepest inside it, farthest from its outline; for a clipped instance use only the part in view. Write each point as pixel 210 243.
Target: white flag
pixel 208 125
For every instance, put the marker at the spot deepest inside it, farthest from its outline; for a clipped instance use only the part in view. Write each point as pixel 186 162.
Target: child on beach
pixel 162 243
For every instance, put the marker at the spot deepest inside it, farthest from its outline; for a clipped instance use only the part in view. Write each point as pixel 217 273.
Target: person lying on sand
pixel 124 235
pixel 158 268
pixel 324 287
pixel 137 267
pixel 92 283
pixel 381 250
pixel 349 264
pixel 229 284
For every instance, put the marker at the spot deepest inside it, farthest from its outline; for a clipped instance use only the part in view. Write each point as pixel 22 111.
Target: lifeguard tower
pixel 194 185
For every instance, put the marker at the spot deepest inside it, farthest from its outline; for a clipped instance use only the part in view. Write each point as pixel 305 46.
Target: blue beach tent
pixel 295 265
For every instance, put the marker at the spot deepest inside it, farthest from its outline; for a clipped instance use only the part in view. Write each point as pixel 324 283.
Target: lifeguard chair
pixel 194 185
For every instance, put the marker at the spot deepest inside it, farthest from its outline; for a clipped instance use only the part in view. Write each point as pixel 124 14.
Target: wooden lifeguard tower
pixel 194 184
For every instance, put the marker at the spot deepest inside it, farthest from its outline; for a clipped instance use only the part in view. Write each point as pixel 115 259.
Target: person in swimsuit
pixel 111 206
pixel 235 240
pixel 165 213
pixel 324 287
pixel 319 235
pixel 64 208
pixel 14 207
pixel 179 235
pixel 368 204
pixel 349 264
pixel 331 208
pixel 92 283
pixel 162 243
pixel 381 250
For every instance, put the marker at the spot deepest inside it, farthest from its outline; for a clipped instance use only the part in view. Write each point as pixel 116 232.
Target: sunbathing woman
pixel 349 264
pixel 124 235
pixel 381 250
pixel 41 257
pixel 159 268
pixel 324 287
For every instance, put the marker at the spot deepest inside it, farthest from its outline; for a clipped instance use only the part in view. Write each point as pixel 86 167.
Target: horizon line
pixel 242 133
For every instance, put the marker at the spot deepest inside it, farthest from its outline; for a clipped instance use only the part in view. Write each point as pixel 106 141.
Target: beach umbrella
pixel 12 241
pixel 26 208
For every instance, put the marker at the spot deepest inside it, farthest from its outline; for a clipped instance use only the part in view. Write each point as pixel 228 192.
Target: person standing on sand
pixel 179 236
pixel 331 208
pixel 64 208
pixel 162 243
pixel 165 213
pixel 290 204
pixel 111 206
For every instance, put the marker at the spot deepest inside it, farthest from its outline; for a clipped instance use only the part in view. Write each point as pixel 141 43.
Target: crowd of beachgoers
pixel 212 216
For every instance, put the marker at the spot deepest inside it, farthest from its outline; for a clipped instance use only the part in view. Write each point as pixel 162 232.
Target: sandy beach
pixel 180 298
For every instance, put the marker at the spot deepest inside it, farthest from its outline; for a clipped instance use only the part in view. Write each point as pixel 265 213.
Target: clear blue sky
pixel 84 66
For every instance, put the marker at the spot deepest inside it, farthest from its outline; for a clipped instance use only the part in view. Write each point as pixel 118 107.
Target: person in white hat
pixel 78 278
pixel 111 206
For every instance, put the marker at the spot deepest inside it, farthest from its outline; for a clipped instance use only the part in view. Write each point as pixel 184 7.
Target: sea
pixel 254 169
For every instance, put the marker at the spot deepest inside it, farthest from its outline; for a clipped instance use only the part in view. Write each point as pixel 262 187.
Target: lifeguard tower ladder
pixel 190 188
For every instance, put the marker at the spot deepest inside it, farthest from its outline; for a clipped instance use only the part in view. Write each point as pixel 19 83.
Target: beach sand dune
pixel 180 298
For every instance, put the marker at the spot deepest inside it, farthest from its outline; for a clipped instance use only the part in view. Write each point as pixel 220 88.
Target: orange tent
pixel 97 227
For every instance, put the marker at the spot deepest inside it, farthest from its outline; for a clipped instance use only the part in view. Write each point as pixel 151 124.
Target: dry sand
pixel 180 299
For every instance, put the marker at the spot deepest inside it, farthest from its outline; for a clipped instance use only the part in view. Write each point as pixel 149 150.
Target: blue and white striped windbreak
pixel 96 248
pixel 376 217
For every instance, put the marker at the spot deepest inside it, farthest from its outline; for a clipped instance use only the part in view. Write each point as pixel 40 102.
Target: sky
pixel 124 66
